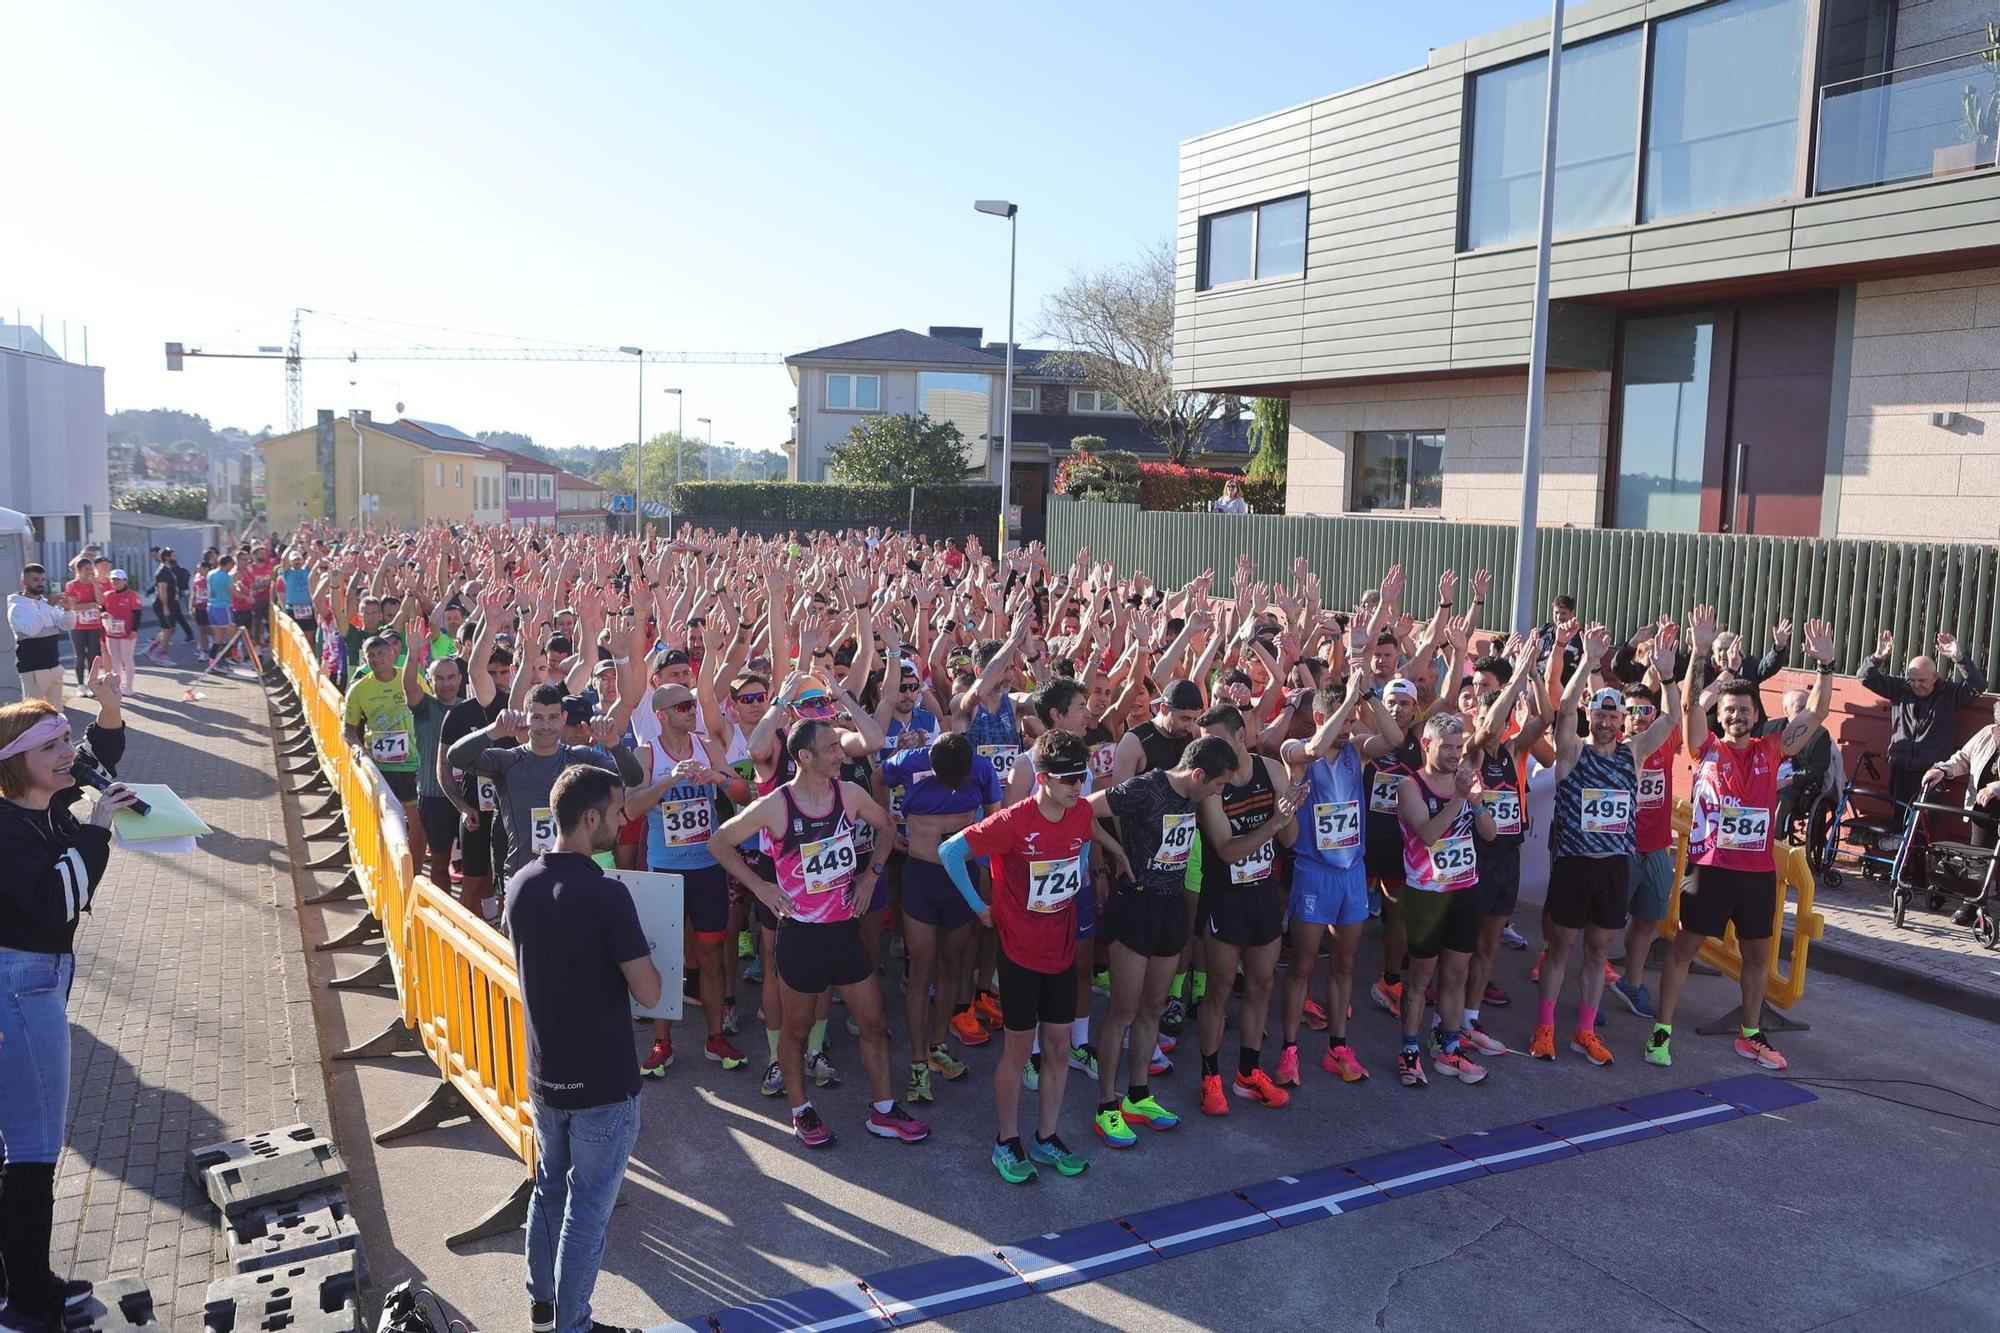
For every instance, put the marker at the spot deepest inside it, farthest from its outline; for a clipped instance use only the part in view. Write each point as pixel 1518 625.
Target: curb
pixel 1855 965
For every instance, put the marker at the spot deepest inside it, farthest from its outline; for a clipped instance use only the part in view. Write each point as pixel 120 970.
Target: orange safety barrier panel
pixel 1795 881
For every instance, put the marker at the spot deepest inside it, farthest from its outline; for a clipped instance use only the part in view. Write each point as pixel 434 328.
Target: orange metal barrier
pixel 1795 880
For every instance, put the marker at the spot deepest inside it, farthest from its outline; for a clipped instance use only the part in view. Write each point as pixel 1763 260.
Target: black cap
pixel 576 710
pixel 1183 694
pixel 670 657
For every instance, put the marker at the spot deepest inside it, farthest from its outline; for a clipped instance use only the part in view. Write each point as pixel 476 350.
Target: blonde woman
pixel 1232 501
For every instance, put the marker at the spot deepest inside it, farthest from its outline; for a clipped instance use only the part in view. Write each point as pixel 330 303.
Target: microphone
pixel 87 772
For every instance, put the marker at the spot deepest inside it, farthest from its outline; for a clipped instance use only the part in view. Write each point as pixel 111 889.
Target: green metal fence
pixel 1622 578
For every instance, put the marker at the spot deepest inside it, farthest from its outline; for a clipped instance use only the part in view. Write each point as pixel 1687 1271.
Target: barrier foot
pixel 347 886
pixel 376 974
pixel 297 749
pixel 388 1041
pixel 333 860
pixel 317 782
pixel 308 764
pixel 1731 1023
pixel 334 830
pixel 510 1214
pixel 364 931
pixel 323 809
pixel 443 1104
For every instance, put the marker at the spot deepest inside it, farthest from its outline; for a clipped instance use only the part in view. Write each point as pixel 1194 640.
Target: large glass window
pixel 1399 469
pixel 964 400
pixel 1597 130
pixel 1723 123
pixel 1246 244
pixel 1663 422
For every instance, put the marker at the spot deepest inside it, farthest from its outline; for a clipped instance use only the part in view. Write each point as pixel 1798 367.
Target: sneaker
pixel 1173 1018
pixel 1387 996
pixel 720 1050
pixel 1159 1066
pixel 1535 972
pixel 1149 1113
pixel 1512 938
pixel 774 1080
pixel 1111 1127
pixel 854 1028
pixel 1456 1065
pixel 1083 1059
pixel 1341 1060
pixel 1660 1048
pixel 1288 1068
pixel 729 1023
pixel 1479 1039
pixel 1031 1073
pixel 746 945
pixel 1212 1100
pixel 1496 997
pixel 1052 1152
pixel 1754 1047
pixel 919 1089
pixel 1013 1168
pixel 822 1070
pixel 1100 981
pixel 811 1130
pixel 896 1123
pixel 754 974
pixel 1637 998
pixel 968 1029
pixel 945 1065
pixel 1315 1016
pixel 1410 1068
pixel 1590 1047
pixel 77 1293
pixel 542 1316
pixel 1257 1086
pixel 1543 1045
pixel 1166 1041
pixel 987 1009
pixel 659 1060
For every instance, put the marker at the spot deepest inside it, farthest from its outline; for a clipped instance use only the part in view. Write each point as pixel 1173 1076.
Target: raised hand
pixel 1701 629
pixel 1818 636
pixel 1482 581
pixel 1947 646
pixel 1781 633
pixel 1596 641
pixel 1447 585
pixel 1885 642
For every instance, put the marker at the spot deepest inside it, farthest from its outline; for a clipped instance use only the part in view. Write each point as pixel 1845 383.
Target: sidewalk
pixel 1929 959
pixel 190 1016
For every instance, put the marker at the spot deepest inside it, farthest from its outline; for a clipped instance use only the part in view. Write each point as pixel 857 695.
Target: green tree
pixel 664 452
pixel 167 502
pixel 1270 430
pixel 900 451
pixel 159 426
pixel 1092 472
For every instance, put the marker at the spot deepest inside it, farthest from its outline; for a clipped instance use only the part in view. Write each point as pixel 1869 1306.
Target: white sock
pixel 1471 1017
pixel 1036 1049
pixel 1079 1031
pixel 882 1108
pixel 798 1111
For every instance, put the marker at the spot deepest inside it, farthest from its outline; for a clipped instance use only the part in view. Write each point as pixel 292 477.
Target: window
pixel 1249 244
pixel 1723 119
pixel 440 474
pixel 1597 129
pixel 1093 401
pixel 458 475
pixel 854 393
pixel 1663 422
pixel 1024 400
pixel 548 486
pixel 966 401
pixel 513 485
pixel 1399 469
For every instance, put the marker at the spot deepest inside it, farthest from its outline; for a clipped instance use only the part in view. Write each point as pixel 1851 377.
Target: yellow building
pixel 413 472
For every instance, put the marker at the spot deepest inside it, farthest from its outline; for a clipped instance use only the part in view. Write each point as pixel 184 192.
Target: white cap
pixel 1607 699
pixel 118 574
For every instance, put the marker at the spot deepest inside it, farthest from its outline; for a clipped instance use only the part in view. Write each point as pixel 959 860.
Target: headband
pixel 38 735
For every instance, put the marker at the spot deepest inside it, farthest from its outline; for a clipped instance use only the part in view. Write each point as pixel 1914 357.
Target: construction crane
pixel 294 356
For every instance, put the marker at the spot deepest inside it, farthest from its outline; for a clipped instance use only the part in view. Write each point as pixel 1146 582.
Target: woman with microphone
pixel 53 864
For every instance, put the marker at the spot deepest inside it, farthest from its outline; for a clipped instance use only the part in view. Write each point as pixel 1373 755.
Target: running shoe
pixel 853 1028
pixel 1410 1068
pixel 945 1065
pixel 1610 973
pixel 1590 1047
pixel 987 1009
pixel 1535 972
pixel 1341 1060
pixel 1013 1168
pixel 822 1070
pixel 1315 1016
pixel 1149 1113
pixel 896 1123
pixel 1159 1066
pixel 1174 1017
pixel 811 1130
pixel 1543 1045
pixel 659 1060
pixel 968 1029
pixel 1100 981
pixel 1031 1073
pixel 1479 1039
pixel 720 1050
pixel 729 1024
pixel 1083 1059
pixel 1754 1047
pixel 1456 1065
pixel 1512 938
pixel 774 1080
pixel 1637 998
pixel 746 947
pixel 1496 997
pixel 1387 995
pixel 1051 1151
pixel 1167 1042
pixel 1111 1127
pixel 1212 1100
pixel 919 1089
pixel 1288 1067
pixel 754 974
pixel 1660 1048
pixel 1257 1086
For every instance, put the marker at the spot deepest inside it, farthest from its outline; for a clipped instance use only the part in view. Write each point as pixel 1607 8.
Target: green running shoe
pixel 1083 1059
pixel 745 946
pixel 1052 1152
pixel 1013 1168
pixel 1149 1113
pixel 944 1064
pixel 1031 1074
pixel 1111 1127
pixel 920 1085
pixel 1659 1048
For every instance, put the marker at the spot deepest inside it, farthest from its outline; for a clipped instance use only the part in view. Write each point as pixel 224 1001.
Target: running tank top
pixel 1595 804
pixel 997 735
pixel 1452 862
pixel 1161 750
pixel 677 829
pixel 1247 807
pixel 1384 777
pixel 1335 802
pixel 1501 779
pixel 815 860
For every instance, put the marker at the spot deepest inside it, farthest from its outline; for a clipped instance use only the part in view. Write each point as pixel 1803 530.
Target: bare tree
pixel 1117 331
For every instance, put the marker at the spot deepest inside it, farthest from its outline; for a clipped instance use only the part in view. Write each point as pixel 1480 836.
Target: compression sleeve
pixel 953 853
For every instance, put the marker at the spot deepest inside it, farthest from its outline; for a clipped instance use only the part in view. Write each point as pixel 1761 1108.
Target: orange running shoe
pixel 1543 1047
pixel 987 1007
pixel 1610 973
pixel 1341 1060
pixel 1388 995
pixel 1315 1016
pixel 1212 1100
pixel 1257 1086
pixel 1586 1045
pixel 968 1029
pixel 1535 972
pixel 1288 1067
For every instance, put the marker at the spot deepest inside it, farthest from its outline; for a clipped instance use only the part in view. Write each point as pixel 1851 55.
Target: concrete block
pixel 280 1164
pixel 310 1296
pixel 308 1227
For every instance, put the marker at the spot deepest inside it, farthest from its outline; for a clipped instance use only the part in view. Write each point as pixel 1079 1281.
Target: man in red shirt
pixel 1734 797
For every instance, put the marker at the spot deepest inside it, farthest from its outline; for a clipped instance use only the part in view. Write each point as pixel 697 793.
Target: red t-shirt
pixel 121 614
pixel 82 594
pixel 1654 829
pixel 1038 871
pixel 260 580
pixel 1734 797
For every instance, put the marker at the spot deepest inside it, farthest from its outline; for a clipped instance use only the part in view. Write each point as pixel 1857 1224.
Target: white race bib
pixel 1383 791
pixel 390 747
pixel 1053 883
pixel 1505 807
pixel 1254 867
pixel 1101 757
pixel 88 616
pixel 1742 828
pixel 116 627
pixel 1606 810
pixel 1176 841
pixel 1652 787
pixel 488 792
pixel 685 823
pixel 1336 825
pixel 1453 861
pixel 1001 757
pixel 541 830
pixel 828 864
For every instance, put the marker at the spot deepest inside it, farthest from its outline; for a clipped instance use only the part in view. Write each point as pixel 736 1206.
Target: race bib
pixel 1176 841
pixel 1652 788
pixel 1001 757
pixel 685 823
pixel 828 864
pixel 488 792
pixel 1253 867
pixel 87 617
pixel 541 830
pixel 1742 828
pixel 1053 883
pixel 1505 807
pixel 1383 789
pixel 1453 862
pixel 116 627
pixel 1336 825
pixel 896 804
pixel 1606 810
pixel 390 747
pixel 1101 757
pixel 300 610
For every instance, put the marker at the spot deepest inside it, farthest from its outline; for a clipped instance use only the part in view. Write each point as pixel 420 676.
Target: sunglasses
pixel 1067 779
pixel 908 687
pixel 753 697
pixel 684 706
pixel 1640 710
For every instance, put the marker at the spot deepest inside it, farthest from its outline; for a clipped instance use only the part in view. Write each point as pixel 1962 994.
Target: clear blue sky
pixel 698 177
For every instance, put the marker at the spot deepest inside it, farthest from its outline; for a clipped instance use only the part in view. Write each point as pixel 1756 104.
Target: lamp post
pixel 1538 345
pixel 708 474
pixel 680 420
pixel 1000 208
pixel 704 421
pixel 638 441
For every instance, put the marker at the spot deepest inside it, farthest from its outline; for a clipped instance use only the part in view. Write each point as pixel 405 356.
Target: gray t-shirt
pixel 525 779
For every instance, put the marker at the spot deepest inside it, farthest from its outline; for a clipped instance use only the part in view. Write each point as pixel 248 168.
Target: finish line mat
pixel 934 1289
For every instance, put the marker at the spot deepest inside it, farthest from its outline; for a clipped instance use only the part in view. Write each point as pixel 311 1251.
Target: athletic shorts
pixel 1652 883
pixel 929 896
pixel 1383 859
pixel 218 617
pixel 1029 998
pixel 1589 891
pixel 1434 921
pixel 813 955
pixel 1717 898
pixel 1499 886
pixel 1324 895
pixel 760 865
pixel 704 900
pixel 1152 925
pixel 1244 915
pixel 475 845
pixel 403 784
pixel 878 895
pixel 440 820
pixel 245 619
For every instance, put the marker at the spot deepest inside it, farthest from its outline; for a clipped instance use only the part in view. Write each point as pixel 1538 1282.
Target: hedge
pixel 1169 486
pixel 833 505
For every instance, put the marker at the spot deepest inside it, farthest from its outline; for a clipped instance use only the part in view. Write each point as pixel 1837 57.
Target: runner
pixel 381 721
pixel 437 814
pixel 1734 799
pixel 489 675
pixel 86 637
pixel 1154 746
pixel 1652 850
pixel 1382 854
pixel 121 605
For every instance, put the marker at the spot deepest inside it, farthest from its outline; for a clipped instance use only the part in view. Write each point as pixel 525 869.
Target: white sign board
pixel 658 899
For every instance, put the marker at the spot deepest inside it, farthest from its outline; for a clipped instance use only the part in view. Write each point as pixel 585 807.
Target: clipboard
pixel 170 817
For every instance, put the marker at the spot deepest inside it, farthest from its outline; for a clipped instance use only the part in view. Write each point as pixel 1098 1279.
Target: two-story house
pixel 531 488
pixel 413 472
pixel 579 504
pixel 1775 273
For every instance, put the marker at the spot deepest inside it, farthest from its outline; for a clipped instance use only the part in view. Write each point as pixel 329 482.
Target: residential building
pixel 235 486
pixel 53 466
pixel 580 504
pixel 950 375
pixel 412 472
pixel 531 488
pixel 1775 278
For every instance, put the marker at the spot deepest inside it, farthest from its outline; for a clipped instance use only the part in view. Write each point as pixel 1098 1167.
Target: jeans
pixel 580 1161
pixel 34 1053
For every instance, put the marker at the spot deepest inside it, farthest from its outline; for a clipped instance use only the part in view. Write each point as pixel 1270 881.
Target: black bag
pixel 403 1311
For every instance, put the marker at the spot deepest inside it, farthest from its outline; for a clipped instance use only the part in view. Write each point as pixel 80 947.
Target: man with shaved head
pixel 1923 708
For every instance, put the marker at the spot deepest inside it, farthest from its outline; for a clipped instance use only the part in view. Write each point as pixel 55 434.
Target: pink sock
pixel 1586 1017
pixel 1546 1015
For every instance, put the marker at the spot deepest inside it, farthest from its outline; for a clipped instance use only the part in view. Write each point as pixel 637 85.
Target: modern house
pixel 53 468
pixel 1775 275
pixel 950 375
pixel 413 473
pixel 579 504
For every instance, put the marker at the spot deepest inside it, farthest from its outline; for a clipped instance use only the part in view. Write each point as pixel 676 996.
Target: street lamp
pixel 1000 208
pixel 639 441
pixel 704 421
pixel 680 417
pixel 727 444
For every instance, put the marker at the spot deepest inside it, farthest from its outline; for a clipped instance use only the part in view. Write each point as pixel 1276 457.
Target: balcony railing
pixel 1920 121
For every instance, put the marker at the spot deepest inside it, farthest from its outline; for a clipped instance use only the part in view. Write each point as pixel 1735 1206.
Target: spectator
pixel 1232 501
pixel 1923 708
pixel 1803 777
pixel 1978 762
pixel 38 624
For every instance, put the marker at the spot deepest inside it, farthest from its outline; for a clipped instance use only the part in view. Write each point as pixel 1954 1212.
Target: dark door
pixel 1028 484
pixel 1781 392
